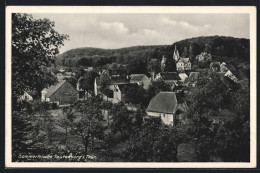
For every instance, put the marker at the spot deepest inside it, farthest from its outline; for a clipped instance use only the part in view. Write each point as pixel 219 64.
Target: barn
pixel 62 93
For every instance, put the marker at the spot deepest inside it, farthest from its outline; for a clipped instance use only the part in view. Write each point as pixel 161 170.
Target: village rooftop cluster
pixel 169 106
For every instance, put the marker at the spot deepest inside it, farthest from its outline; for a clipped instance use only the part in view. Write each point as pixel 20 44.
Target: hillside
pixel 222 48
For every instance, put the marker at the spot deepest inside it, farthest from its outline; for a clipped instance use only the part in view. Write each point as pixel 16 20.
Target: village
pixel 168 104
pixel 165 105
pixel 183 102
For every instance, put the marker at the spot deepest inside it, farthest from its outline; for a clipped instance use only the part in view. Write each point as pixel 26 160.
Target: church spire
pixel 176 54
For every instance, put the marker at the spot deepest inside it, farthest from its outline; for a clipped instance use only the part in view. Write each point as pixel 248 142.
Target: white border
pixel 251 10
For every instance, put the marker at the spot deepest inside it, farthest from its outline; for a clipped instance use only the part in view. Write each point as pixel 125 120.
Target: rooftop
pixel 53 88
pixel 163 102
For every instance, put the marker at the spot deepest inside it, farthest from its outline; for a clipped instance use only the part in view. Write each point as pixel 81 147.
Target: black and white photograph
pixel 131 87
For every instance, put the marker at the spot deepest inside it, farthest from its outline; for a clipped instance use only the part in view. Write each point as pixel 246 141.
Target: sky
pixel 119 30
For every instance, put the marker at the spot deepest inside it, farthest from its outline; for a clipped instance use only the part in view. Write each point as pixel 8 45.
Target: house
pixel 26 96
pixel 167 106
pixel 140 79
pixel 171 78
pixel 215 66
pixel 183 64
pixel 115 92
pixel 118 93
pixel 204 56
pixel 62 93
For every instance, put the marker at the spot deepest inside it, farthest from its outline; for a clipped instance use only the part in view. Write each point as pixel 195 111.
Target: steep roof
pixel 170 76
pixel 184 60
pixel 163 102
pixel 183 76
pixel 52 89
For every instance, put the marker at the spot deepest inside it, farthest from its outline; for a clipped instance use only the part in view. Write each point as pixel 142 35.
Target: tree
pixel 222 138
pixel 66 121
pixel 120 119
pixel 208 48
pixel 24 132
pixel 35 45
pixel 185 52
pixel 86 82
pixel 233 139
pixel 209 94
pixel 104 83
pixel 89 126
pixel 153 143
pixel 156 87
pixel 137 66
pixel 170 65
pixel 191 55
pixel 134 94
pixel 241 101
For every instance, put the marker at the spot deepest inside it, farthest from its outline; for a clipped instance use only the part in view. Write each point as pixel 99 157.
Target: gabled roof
pixel 163 102
pixel 52 89
pixel 184 60
pixel 170 76
pixel 183 76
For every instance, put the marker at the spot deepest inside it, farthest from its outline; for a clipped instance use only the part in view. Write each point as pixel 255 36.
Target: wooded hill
pixel 221 48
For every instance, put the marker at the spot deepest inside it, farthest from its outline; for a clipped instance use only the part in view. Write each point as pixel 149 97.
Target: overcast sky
pixel 124 30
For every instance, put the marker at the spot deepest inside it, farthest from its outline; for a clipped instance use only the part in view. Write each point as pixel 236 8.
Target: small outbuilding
pixel 62 93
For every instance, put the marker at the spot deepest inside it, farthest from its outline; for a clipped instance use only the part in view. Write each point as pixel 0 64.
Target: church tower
pixel 176 56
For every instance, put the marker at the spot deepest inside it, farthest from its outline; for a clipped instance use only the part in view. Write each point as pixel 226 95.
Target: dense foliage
pixel 215 134
pixel 153 143
pixel 229 48
pixel 35 45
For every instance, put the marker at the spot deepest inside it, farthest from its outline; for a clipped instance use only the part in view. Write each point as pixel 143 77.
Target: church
pixel 181 63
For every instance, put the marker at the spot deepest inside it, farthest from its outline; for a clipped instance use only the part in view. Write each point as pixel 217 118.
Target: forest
pixel 220 47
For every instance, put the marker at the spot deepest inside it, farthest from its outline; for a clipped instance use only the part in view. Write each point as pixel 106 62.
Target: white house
pixel 183 64
pixel 167 106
